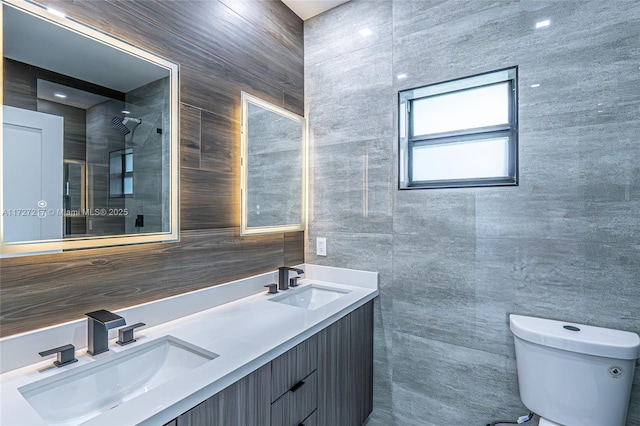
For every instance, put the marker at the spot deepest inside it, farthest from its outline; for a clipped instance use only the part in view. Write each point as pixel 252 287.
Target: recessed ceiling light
pixel 402 76
pixel 365 32
pixel 535 85
pixel 59 95
pixel 56 12
pixel 124 111
pixel 542 24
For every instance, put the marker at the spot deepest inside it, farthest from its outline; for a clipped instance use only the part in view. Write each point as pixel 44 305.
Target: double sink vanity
pixel 228 354
pixel 231 354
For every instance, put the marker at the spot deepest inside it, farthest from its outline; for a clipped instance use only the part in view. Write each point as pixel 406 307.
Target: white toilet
pixel 574 375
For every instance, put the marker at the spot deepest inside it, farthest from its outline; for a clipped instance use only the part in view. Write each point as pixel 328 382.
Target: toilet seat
pixel 545 422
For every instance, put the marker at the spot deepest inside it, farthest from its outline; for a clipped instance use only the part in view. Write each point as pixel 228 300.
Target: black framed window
pixel 121 173
pixel 460 133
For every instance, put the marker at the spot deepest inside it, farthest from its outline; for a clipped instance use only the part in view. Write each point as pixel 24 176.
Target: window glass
pixel 127 184
pixel 128 162
pixel 466 109
pixel 461 160
pixel 121 173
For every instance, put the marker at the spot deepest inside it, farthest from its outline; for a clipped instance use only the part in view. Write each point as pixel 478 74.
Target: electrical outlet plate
pixel 321 246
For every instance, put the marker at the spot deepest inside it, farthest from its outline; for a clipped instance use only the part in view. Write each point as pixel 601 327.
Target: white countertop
pixel 246 333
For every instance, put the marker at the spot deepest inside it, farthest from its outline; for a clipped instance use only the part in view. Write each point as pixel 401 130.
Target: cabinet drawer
pixel 292 366
pixel 297 404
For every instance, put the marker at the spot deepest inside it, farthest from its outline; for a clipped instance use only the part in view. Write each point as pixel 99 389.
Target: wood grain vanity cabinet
pixel 345 367
pixel 246 402
pixel 294 384
pixel 327 380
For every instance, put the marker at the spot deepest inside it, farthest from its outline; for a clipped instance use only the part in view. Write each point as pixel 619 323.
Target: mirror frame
pixel 244 175
pixel 26 248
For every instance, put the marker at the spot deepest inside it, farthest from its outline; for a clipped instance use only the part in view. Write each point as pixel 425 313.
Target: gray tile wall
pixel 454 263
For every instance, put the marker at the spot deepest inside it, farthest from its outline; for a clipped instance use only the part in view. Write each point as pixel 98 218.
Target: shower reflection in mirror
pixel 90 137
pixel 102 136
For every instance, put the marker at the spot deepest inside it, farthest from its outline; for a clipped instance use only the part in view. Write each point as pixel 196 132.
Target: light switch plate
pixel 321 246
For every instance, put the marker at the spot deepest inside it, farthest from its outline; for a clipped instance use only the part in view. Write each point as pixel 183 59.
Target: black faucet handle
pixel 107 318
pixel 293 282
pixel 66 355
pixel 283 276
pixel 273 288
pixel 125 334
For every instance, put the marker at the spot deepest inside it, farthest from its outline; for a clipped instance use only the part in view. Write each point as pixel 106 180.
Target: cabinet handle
pixel 297 386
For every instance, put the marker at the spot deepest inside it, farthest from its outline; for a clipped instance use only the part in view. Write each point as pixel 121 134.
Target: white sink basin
pixel 311 297
pixel 81 393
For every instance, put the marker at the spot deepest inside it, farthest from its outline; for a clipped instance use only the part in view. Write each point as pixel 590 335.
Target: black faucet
pixel 99 324
pixel 283 276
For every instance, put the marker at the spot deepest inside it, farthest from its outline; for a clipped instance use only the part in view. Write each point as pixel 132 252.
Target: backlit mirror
pixel 90 137
pixel 273 168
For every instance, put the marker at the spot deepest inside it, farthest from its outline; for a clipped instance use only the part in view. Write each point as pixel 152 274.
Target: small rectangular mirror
pixel 274 164
pixel 90 137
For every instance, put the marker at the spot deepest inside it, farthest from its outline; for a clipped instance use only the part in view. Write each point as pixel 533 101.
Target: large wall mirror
pixel 273 168
pixel 90 137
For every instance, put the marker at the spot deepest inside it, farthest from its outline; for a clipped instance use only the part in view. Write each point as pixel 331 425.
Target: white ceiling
pixel 76 98
pixel 46 45
pixel 306 9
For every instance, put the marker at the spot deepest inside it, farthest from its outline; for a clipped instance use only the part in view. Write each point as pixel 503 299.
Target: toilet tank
pixel 572 374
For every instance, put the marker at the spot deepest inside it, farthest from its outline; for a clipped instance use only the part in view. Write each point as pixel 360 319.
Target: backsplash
pixel 223 48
